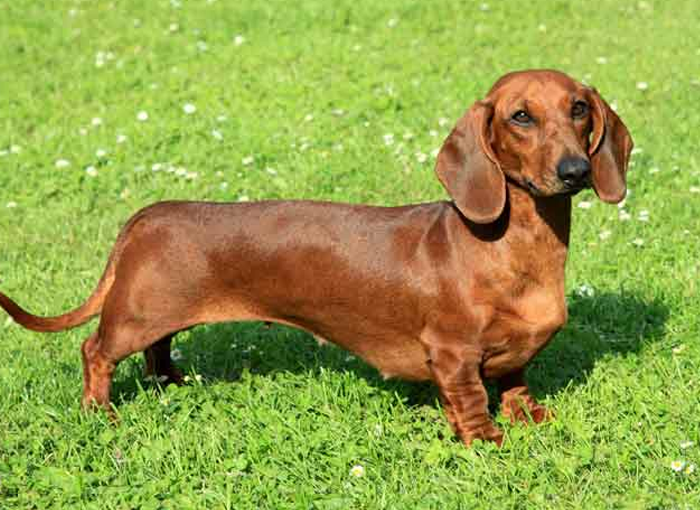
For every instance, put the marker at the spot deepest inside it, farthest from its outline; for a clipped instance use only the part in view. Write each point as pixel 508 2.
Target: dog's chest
pixel 518 330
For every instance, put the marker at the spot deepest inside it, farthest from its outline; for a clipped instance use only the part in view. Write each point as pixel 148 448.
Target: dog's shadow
pixel 600 325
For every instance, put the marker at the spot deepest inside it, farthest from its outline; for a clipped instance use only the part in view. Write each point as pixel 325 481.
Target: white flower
pixel 679 349
pixel 176 354
pixel 654 170
pixel 271 171
pixel 689 469
pixel 604 235
pixel 442 121
pixel 542 27
pixel 643 215
pixel 15 149
pixel 388 139
pixel 357 471
pixel 189 108
pixel 4 152
pixel 636 150
pixel 83 131
pixel 156 167
pixel 309 118
pixel 686 444
pixel 62 163
pixel 142 116
pixel 174 27
pixel 202 46
pixel 217 134
pixel 422 158
pixel 408 136
pixel 121 138
pixel 392 22
pixel 96 121
pixel 695 189
pixel 100 153
pixel 221 118
pixel 585 204
pixel 434 153
pixel 338 112
pixel 642 85
pixel 601 60
pixel 11 205
pixel 180 172
pixel 624 215
pixel 238 40
pixel 243 198
pixel 190 176
pixel 678 465
pixel 638 242
pixel 585 290
pixel 223 185
pixel 433 133
pixel 247 160
pixel 91 171
pixel 484 7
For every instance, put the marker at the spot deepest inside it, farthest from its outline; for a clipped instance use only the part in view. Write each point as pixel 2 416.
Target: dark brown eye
pixel 579 110
pixel 521 117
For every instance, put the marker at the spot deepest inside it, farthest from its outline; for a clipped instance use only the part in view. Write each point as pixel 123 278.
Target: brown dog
pixel 451 292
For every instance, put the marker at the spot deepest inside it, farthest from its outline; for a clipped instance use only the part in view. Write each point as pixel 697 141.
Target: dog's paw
pixel 523 408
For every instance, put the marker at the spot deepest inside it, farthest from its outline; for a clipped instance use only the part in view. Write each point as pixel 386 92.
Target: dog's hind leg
pixel 97 374
pixel 159 364
pixel 104 349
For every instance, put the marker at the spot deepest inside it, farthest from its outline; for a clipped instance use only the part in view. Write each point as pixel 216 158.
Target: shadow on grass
pixel 602 325
pixel 606 324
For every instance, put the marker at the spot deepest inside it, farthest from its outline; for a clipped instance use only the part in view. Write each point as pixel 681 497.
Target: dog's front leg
pixel 456 371
pixel 516 402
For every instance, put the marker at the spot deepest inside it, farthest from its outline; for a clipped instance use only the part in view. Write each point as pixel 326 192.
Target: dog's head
pixel 543 131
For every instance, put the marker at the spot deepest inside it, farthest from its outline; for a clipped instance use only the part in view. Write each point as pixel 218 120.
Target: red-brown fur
pixel 451 292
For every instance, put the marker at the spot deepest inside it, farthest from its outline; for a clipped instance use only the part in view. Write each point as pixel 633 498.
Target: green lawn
pixel 343 100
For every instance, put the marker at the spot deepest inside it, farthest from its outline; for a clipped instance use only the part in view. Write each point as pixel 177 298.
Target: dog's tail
pixel 91 307
pixel 76 317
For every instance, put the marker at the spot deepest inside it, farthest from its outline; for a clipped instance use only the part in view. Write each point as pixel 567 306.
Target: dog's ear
pixel 468 168
pixel 610 148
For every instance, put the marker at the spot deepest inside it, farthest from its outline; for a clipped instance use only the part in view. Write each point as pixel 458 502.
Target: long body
pixel 449 291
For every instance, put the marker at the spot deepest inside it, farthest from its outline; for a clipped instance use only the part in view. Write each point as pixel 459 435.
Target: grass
pixel 310 91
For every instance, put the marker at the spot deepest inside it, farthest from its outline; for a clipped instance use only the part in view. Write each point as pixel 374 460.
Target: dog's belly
pixel 392 354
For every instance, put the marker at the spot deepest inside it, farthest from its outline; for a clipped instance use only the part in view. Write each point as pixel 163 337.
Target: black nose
pixel 573 171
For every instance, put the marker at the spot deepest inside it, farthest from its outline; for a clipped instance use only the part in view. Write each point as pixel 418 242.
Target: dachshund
pixel 454 292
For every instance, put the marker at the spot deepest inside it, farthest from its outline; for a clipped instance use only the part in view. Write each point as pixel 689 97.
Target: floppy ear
pixel 468 168
pixel 609 151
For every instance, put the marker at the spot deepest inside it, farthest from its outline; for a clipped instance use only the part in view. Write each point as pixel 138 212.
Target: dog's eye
pixel 521 117
pixel 579 110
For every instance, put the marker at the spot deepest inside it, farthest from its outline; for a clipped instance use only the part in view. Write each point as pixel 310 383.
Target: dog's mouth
pixel 573 188
pixel 532 188
pixel 568 189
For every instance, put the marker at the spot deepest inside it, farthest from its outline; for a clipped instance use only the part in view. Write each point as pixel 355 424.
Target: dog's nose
pixel 573 171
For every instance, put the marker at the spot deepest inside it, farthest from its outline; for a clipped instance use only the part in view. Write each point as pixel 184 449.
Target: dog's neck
pixel 542 219
pixel 536 227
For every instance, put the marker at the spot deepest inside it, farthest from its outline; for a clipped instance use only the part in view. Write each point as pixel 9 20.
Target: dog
pixel 453 292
